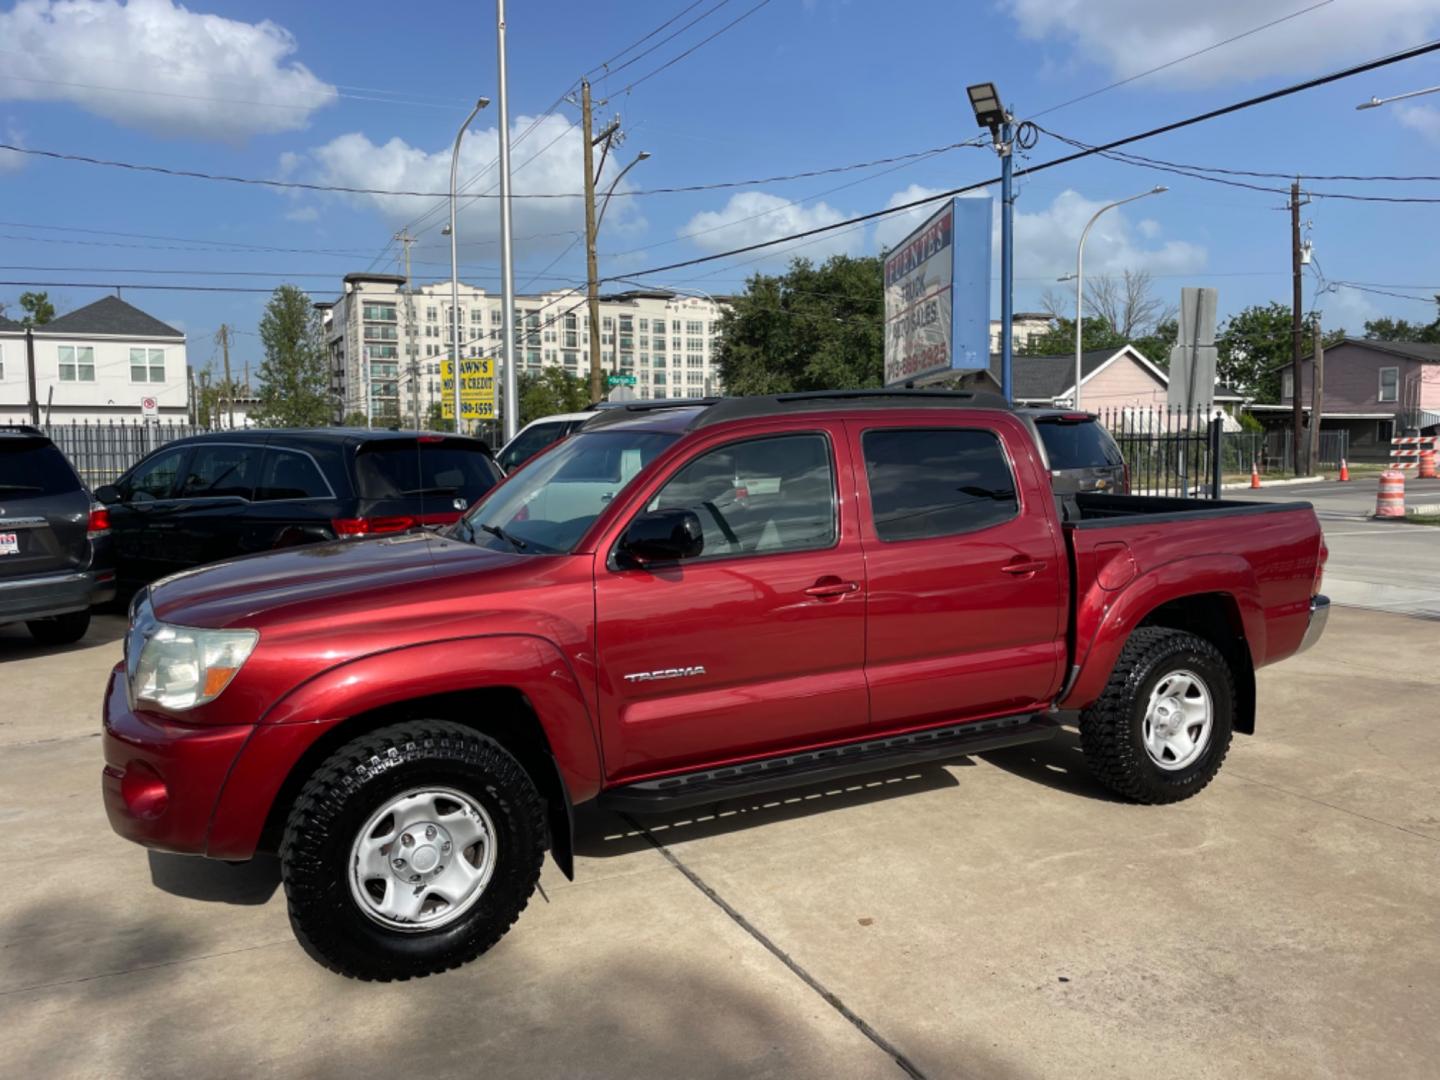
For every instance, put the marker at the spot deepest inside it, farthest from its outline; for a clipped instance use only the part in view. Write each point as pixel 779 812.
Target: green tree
pixel 355 418
pixel 1156 345
pixel 295 374
pixel 1253 345
pixel 38 308
pixel 811 328
pixel 1403 330
pixel 435 419
pixel 553 390
pixel 1095 333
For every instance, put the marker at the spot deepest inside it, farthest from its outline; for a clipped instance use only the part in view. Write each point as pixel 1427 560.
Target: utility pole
pixel 30 372
pixel 507 255
pixel 1296 329
pixel 592 275
pixel 412 360
pixel 1317 394
pixel 194 405
pixel 1004 144
pixel 223 336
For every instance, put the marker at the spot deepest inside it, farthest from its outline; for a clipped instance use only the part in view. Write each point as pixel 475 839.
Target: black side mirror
pixel 108 494
pixel 663 536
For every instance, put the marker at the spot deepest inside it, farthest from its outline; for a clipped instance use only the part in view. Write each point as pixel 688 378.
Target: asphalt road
pixel 991 917
pixel 1385 566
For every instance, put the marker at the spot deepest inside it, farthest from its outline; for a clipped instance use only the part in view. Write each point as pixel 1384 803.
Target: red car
pixel 678 606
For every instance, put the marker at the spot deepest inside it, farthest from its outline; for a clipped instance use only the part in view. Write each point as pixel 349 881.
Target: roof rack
pixel 616 412
pixel 742 408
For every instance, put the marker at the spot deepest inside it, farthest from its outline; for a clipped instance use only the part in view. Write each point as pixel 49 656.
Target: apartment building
pixel 375 329
pixel 99 362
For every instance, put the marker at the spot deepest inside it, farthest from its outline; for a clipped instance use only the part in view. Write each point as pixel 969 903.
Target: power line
pixel 1176 125
pixel 229 101
pixel 663 41
pixel 698 45
pixel 605 64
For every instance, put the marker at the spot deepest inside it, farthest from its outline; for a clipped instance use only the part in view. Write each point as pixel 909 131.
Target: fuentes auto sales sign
pixel 937 295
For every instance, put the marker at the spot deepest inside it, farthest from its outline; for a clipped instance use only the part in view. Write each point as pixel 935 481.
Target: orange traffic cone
pixel 1344 471
pixel 1254 476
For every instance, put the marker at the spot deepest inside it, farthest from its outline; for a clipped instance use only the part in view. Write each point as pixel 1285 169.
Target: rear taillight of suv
pixel 99 521
pixel 391 524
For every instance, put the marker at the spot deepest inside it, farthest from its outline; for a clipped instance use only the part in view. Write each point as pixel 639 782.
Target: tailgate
pixel 44 512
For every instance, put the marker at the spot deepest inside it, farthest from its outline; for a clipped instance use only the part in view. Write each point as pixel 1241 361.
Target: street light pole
pixel 1080 276
pixel 454 263
pixel 1375 102
pixel 507 262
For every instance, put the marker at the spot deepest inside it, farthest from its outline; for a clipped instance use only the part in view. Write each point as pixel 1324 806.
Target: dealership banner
pixel 937 295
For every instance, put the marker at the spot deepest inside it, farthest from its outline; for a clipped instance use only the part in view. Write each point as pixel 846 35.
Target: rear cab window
pixel 448 469
pixel 931 482
pixel 32 468
pixel 1077 444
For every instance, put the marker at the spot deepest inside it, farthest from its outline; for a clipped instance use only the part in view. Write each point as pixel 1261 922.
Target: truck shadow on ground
pixel 17 644
pixel 1057 763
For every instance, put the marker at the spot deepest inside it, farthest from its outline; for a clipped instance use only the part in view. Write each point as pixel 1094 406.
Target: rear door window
pixel 221 471
pixel 34 468
pixel 1082 444
pixel 937 482
pixel 286 474
pixel 406 469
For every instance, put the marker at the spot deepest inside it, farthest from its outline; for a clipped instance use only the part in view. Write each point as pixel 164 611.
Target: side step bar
pixel 817 766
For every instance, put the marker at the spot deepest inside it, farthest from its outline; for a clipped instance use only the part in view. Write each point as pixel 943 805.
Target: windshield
pixel 546 508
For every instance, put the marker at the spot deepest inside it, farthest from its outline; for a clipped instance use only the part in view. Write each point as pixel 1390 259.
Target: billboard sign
pixel 937 295
pixel 477 389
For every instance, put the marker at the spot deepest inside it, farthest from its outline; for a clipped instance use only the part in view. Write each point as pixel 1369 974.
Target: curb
pixel 1245 485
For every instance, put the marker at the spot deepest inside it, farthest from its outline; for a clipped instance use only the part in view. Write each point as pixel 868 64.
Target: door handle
pixel 824 589
pixel 1022 567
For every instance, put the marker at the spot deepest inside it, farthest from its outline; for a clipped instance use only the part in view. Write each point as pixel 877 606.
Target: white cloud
pixel 889 231
pixel 1130 36
pixel 753 217
pixel 154 65
pixel 1045 242
pixel 303 215
pixel 353 160
pixel 1424 119
pixel 9 160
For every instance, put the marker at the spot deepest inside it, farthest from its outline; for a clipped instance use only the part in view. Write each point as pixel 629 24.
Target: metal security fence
pixel 102 450
pixel 1169 451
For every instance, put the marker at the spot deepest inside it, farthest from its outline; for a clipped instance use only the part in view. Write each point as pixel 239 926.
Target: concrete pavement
pixel 992 917
pixel 1385 566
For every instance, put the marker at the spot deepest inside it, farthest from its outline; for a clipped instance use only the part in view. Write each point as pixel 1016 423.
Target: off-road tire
pixel 60 630
pixel 336 802
pixel 1111 729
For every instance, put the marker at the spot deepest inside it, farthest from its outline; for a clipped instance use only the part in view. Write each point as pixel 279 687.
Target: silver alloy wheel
pixel 1178 720
pixel 423 859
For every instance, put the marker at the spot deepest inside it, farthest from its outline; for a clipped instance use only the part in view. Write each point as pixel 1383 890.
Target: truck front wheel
pixel 411 850
pixel 1160 730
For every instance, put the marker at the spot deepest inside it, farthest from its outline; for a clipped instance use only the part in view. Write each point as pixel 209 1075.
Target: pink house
pixel 1374 389
pixel 1110 379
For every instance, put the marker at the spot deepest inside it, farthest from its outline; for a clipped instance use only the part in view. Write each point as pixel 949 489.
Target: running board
pixel 817 766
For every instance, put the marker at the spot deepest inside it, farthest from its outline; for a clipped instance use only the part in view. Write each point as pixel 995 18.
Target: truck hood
pixel 256 589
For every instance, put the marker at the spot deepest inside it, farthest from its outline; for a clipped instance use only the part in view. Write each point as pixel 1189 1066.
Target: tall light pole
pixel 991 113
pixel 507 262
pixel 454 263
pixel 1376 102
pixel 1080 275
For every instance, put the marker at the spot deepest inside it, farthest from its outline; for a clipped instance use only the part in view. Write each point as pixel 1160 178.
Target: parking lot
pixel 993 917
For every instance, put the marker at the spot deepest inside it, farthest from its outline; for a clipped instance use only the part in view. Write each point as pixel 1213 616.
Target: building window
pixel 77 363
pixel 1287 385
pixel 431 314
pixel 476 315
pixel 496 316
pixel 675 326
pixel 147 365
pixel 1389 384
pixel 692 327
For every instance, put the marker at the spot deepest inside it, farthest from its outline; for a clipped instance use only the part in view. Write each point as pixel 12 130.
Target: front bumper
pixel 162 778
pixel 1319 614
pixel 60 593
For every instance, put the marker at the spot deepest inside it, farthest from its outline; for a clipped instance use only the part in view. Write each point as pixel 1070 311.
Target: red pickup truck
pixel 680 605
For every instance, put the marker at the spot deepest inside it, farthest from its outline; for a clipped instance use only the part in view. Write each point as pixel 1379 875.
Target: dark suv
pixel 55 558
pixel 1080 453
pixel 233 493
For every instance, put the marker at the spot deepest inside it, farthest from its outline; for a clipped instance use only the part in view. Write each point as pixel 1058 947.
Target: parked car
pixel 1080 453
pixel 231 493
pixel 55 556
pixel 674 607
pixel 536 436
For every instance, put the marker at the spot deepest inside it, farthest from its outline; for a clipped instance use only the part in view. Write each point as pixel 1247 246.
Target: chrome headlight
pixel 180 667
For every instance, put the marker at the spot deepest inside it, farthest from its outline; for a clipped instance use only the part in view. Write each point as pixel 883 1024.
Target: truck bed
pixel 1094 510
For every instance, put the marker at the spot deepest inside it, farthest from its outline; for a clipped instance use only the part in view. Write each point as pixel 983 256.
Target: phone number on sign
pixel 931 356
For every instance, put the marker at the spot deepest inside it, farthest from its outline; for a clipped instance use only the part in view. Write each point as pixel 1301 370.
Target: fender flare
pixel 314 709
pixel 1105 620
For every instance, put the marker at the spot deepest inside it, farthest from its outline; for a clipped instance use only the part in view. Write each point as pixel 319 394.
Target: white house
pixel 98 362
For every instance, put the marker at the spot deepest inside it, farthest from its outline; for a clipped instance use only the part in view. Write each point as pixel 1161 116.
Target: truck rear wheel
pixel 1160 730
pixel 411 850
pixel 61 629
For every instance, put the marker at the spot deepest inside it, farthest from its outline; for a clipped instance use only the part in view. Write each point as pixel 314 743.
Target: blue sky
pixel 370 94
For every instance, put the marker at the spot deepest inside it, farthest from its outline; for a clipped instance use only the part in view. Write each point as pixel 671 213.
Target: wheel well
pixel 1216 618
pixel 501 712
